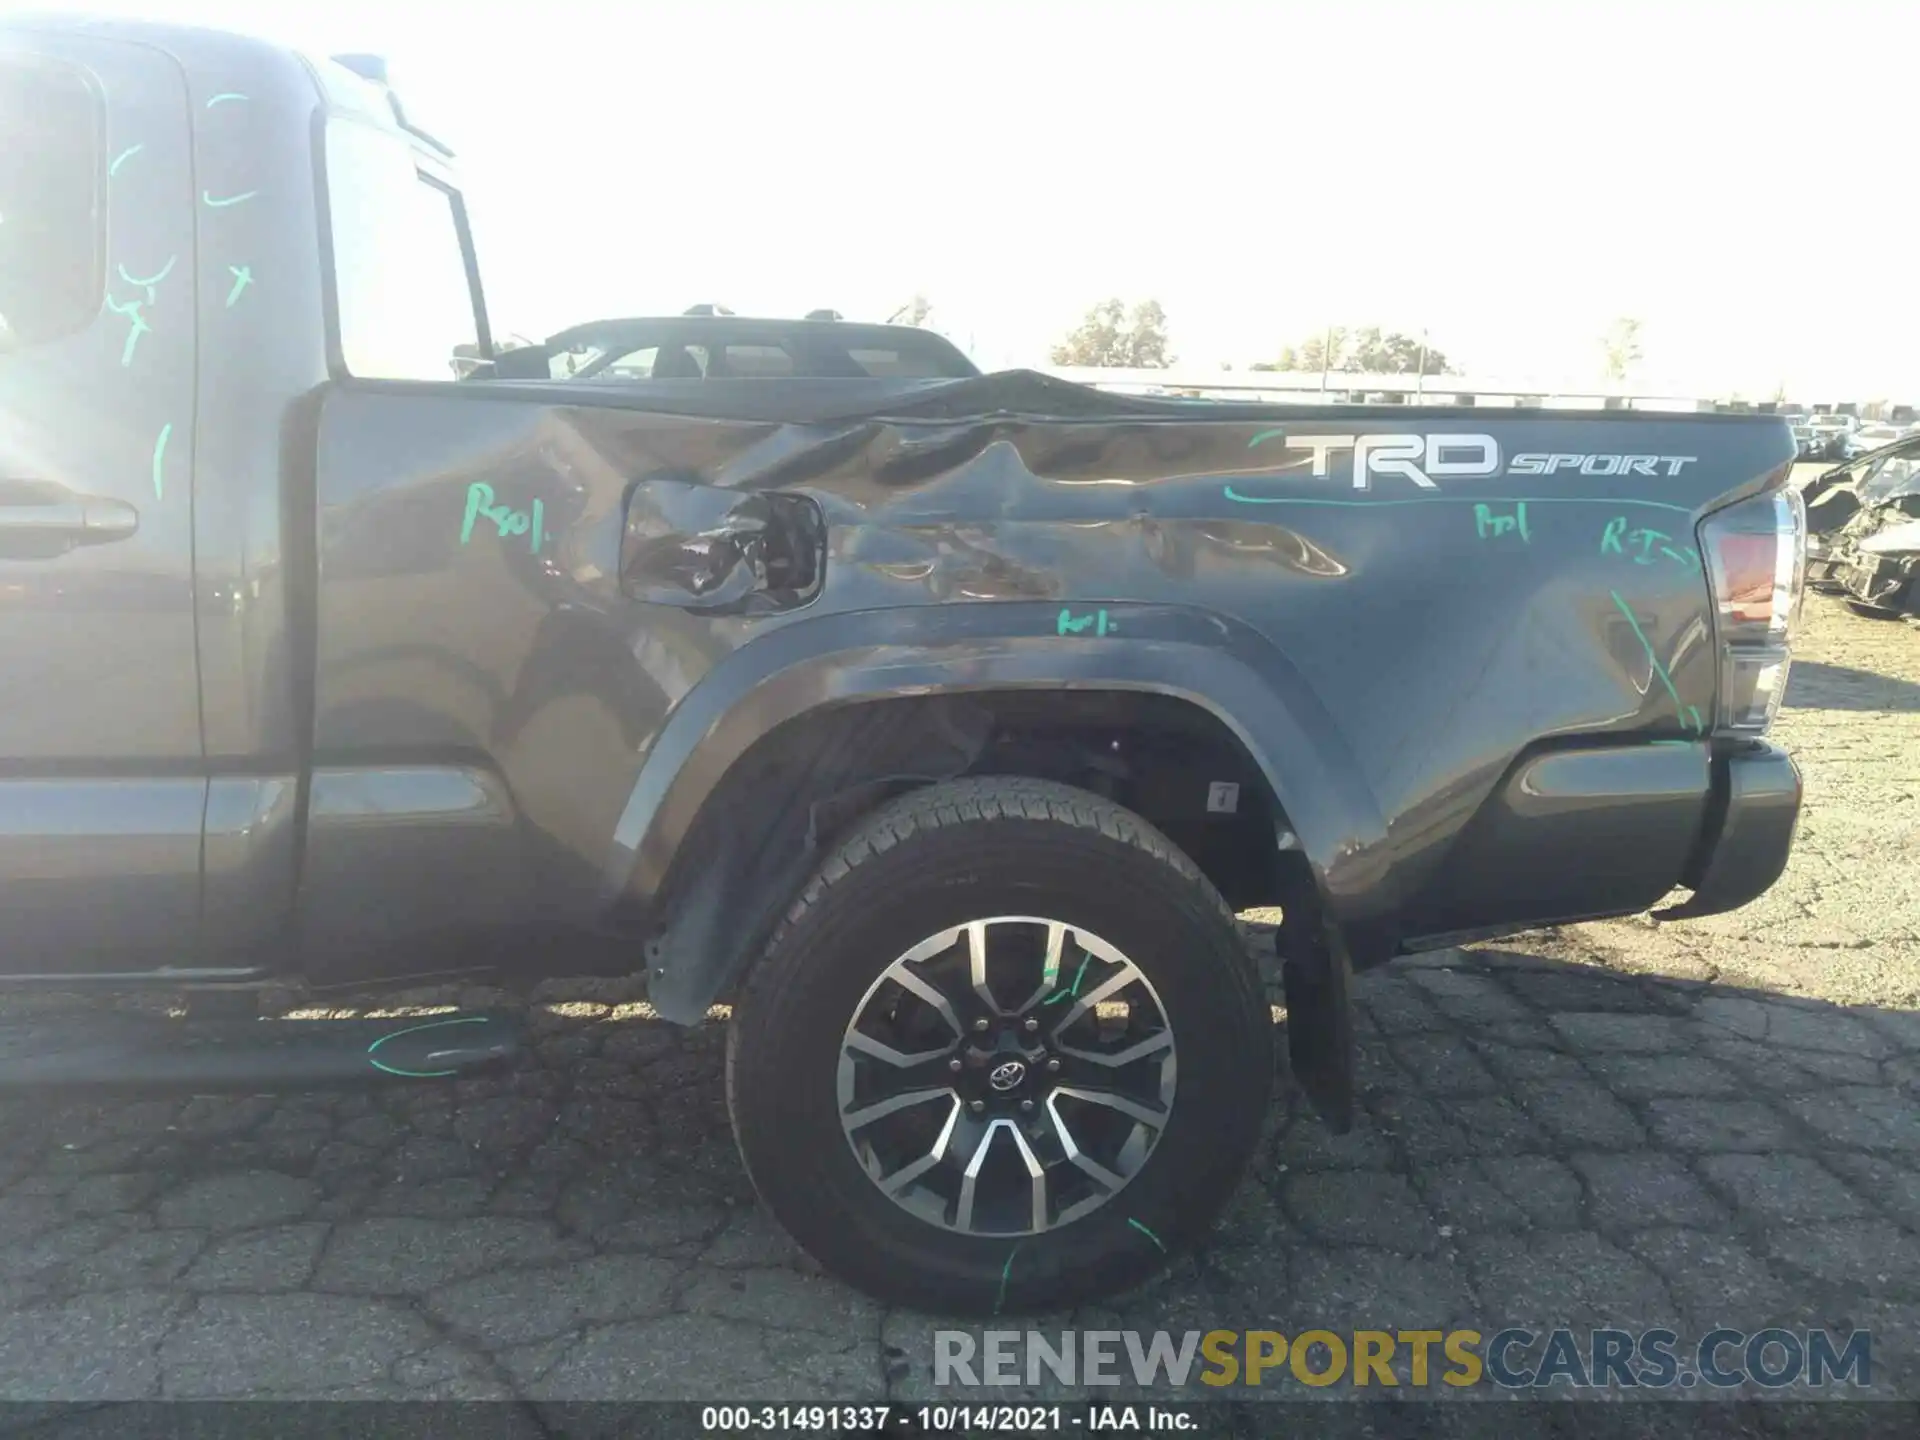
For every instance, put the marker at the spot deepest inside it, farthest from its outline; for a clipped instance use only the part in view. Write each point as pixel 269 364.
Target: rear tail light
pixel 1756 554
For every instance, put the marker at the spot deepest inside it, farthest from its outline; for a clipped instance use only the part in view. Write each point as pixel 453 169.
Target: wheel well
pixel 807 781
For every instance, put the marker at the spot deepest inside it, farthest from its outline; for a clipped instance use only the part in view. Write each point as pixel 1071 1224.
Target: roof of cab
pixel 261 61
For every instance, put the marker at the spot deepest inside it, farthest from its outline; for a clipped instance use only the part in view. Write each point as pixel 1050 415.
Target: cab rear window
pixel 52 220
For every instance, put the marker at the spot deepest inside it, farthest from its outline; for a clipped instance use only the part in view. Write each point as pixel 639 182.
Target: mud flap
pixel 1318 978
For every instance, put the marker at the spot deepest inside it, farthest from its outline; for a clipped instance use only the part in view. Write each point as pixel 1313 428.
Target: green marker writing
pixel 1644 542
pixel 136 327
pixel 506 520
pixel 160 460
pixel 1488 525
pixel 1689 714
pixel 1069 625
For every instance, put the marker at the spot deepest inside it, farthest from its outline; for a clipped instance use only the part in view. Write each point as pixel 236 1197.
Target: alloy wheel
pixel 1007 1076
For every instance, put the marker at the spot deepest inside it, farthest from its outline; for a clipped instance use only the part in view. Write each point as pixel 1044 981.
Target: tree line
pixel 1112 336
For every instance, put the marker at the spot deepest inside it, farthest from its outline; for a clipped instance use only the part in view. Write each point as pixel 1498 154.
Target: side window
pixel 756 362
pixel 899 364
pixel 399 273
pixel 52 269
pixel 634 365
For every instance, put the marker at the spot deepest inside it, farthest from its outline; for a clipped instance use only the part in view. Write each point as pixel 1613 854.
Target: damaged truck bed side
pixel 940 727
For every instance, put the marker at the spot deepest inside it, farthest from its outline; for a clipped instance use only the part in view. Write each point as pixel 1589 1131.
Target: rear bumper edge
pixel 1749 831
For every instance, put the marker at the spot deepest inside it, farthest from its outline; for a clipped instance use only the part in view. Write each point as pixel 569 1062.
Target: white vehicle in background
pixel 1872 437
pixel 1830 434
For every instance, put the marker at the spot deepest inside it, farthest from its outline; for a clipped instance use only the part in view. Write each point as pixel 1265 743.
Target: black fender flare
pixel 1209 660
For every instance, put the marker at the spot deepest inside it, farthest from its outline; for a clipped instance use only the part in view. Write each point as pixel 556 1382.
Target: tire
pixel 962 852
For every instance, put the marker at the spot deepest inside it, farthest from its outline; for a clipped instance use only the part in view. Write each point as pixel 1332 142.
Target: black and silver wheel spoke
pixel 997 1118
pixel 969 1184
pixel 899 1180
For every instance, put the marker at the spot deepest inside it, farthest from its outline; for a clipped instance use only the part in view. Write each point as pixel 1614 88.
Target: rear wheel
pixel 1007 1052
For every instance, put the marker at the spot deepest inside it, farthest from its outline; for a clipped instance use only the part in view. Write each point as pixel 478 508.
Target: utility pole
pixel 1326 358
pixel 1420 375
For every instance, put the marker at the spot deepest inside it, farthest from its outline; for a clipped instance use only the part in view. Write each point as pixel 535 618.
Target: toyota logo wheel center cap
pixel 1007 1076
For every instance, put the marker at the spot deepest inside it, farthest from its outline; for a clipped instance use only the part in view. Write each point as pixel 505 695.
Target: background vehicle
pixel 938 724
pixel 1871 437
pixel 1806 441
pixel 1832 431
pixel 728 347
pixel 1862 540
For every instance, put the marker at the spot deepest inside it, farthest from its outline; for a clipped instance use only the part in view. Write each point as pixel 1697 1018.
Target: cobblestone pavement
pixel 1628 1124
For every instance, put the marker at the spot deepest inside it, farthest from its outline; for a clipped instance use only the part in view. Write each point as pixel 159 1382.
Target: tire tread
pixel 970 802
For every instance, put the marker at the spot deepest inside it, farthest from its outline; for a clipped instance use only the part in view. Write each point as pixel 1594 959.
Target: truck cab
pixel 200 231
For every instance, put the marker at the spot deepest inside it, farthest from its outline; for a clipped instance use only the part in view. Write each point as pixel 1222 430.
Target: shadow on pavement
pixel 1814 686
pixel 1541 1144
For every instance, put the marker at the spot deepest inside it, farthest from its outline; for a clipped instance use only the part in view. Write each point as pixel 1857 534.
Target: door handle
pixel 42 520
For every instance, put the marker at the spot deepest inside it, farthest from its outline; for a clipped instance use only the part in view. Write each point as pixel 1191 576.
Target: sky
pixel 1508 178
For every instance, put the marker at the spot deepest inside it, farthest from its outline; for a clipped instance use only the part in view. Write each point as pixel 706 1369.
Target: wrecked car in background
pixel 1863 523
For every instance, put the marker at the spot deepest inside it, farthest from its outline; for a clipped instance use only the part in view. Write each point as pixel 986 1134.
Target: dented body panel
pixel 1394 643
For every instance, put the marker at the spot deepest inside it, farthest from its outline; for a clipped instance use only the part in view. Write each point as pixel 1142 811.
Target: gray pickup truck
pixel 938 724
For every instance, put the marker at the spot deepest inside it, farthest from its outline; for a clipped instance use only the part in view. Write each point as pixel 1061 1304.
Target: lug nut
pixel 1026 1104
pixel 1032 1024
pixel 954 1064
pixel 977 1106
pixel 1054 1065
pixel 981 1023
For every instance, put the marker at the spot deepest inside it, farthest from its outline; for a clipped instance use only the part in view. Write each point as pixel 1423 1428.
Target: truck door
pixel 102 779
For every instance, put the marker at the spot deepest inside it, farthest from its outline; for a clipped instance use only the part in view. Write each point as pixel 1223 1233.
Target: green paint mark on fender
pixel 242 277
pixel 224 97
pixel 379 1064
pixel 1069 625
pixel 1689 715
pixel 206 197
pixel 160 459
pixel 1266 435
pixel 1642 543
pixel 122 158
pixel 1487 525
